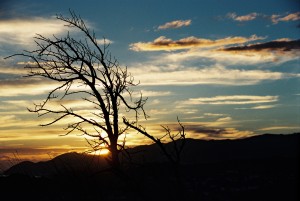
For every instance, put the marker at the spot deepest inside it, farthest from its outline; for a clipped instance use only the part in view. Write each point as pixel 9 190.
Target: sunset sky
pixel 226 68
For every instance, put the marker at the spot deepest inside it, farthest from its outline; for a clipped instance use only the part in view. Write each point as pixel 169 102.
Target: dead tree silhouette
pixel 84 68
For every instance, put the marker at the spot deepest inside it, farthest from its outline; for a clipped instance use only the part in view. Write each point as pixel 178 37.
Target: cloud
pixel 12 71
pixel 259 107
pixel 188 111
pixel 165 44
pixel 32 86
pixel 216 75
pixel 242 18
pixel 279 51
pixel 224 119
pixel 155 102
pixel 18 87
pixel 78 104
pixel 7 118
pixel 175 24
pixel 211 130
pixel 155 93
pixel 208 133
pixel 22 31
pixel 280 128
pixel 230 100
pixel 290 17
pixel 275 18
pixel 225 57
pixel 104 41
pixel 282 45
pixel 213 114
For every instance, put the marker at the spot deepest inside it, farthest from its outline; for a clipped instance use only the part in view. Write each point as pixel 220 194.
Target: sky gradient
pixel 226 68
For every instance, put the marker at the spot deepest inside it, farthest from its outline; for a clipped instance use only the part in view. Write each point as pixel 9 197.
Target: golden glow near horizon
pixel 100 152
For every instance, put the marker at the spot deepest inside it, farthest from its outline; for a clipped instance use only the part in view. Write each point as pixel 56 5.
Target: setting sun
pixel 100 152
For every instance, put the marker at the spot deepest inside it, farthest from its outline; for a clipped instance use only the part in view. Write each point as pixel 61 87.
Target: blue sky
pixel 226 68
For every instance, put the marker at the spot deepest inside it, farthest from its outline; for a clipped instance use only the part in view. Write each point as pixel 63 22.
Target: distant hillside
pixel 261 147
pixel 65 164
pixel 202 151
pixel 264 167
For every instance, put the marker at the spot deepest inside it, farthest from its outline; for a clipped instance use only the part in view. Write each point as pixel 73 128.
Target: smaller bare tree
pixel 178 140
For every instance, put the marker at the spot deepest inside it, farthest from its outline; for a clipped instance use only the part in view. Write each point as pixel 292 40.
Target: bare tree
pixel 85 68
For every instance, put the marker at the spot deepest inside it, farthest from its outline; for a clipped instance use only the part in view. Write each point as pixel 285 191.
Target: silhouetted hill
pixel 65 164
pixel 212 151
pixel 260 147
pixel 259 168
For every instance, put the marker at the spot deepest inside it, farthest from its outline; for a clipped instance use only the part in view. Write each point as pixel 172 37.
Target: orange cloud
pixel 175 24
pixel 165 44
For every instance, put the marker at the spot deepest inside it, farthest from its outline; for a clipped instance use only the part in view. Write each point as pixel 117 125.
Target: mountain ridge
pixel 196 151
pixel 257 168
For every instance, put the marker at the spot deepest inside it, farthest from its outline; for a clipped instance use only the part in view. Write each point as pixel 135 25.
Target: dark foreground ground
pixel 247 178
pixel 237 180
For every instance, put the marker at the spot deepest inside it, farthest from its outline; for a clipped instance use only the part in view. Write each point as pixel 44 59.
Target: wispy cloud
pixel 242 18
pixel 214 114
pixel 165 44
pixel 215 75
pixel 199 131
pixel 283 45
pixel 224 119
pixel 17 87
pixel 155 93
pixel 230 100
pixel 12 70
pixel 274 52
pixel 7 118
pixel 78 104
pixel 279 51
pixel 104 41
pixel 175 24
pixel 286 18
pixel 229 50
pixel 32 86
pixel 274 18
pixel 280 128
pixel 22 31
pixel 231 57
pixel 259 107
pixel 223 128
